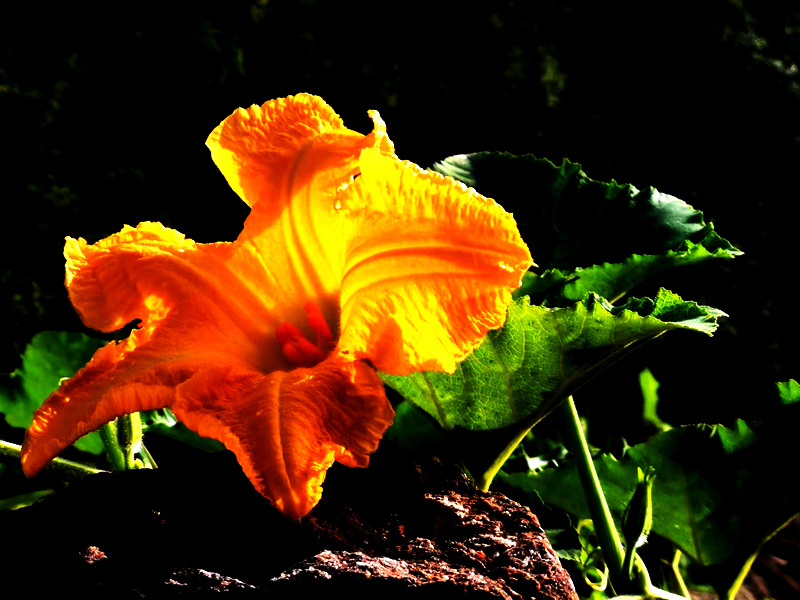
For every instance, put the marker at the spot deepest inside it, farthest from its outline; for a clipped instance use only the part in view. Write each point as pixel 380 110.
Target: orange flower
pixel 350 261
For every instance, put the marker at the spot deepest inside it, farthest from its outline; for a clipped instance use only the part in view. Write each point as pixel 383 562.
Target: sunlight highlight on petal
pixel 350 261
pixel 430 268
pixel 286 429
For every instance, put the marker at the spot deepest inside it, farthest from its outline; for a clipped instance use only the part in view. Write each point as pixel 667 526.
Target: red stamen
pixel 299 351
pixel 319 326
pixel 296 348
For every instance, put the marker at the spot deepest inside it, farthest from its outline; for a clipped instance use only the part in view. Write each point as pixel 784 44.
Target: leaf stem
pixel 110 435
pixel 147 458
pixel 129 430
pixel 676 571
pixel 122 439
pixel 61 464
pixel 485 480
pixel 605 529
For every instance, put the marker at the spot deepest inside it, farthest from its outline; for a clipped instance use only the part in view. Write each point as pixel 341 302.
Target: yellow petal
pixel 429 269
pixel 260 150
pixel 101 277
pixel 418 266
pixel 200 305
pixel 421 267
pixel 288 159
pixel 286 429
pixel 192 298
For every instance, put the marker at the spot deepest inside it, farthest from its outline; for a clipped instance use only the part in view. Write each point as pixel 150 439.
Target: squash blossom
pixel 350 262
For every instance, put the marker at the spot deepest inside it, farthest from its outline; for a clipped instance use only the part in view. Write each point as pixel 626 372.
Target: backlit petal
pixel 90 399
pixel 424 266
pixel 201 305
pixel 193 299
pixel 288 159
pixel 429 270
pixel 345 247
pixel 287 428
pixel 261 150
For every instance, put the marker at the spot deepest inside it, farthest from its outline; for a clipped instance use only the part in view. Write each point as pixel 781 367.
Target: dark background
pixel 106 108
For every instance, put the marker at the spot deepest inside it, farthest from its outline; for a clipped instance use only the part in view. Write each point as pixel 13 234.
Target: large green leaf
pixel 541 355
pixel 719 491
pixel 555 287
pixel 570 220
pixel 685 497
pixel 50 356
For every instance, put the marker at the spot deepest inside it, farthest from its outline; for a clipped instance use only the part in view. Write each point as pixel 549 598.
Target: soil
pixel 407 527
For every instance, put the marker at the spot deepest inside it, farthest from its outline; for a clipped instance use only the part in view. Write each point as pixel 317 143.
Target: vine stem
pixel 109 433
pixel 122 439
pixel 485 479
pixel 60 464
pixel 605 529
pixel 604 526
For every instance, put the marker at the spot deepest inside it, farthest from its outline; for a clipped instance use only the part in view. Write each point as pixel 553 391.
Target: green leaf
pixel 413 429
pixel 685 499
pixel 23 500
pixel 719 492
pixel 612 281
pixel 649 386
pixel 541 355
pixel 50 357
pixel 789 391
pixel 570 220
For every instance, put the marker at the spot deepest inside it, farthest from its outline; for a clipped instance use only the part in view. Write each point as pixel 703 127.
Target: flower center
pixel 297 349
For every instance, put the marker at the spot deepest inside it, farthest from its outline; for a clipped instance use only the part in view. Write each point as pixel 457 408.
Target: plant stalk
pixel 109 433
pixel 485 480
pixel 122 439
pixel 605 529
pixel 61 464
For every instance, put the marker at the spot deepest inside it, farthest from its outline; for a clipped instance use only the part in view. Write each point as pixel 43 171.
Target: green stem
pixel 109 433
pixel 604 526
pixel 122 439
pixel 605 529
pixel 68 467
pixel 147 458
pixel 648 589
pixel 627 562
pixel 676 572
pixel 129 430
pixel 485 480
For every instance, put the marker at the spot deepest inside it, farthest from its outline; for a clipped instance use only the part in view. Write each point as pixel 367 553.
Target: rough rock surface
pixel 404 528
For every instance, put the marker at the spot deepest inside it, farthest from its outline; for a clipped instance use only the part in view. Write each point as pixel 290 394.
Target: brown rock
pixel 401 529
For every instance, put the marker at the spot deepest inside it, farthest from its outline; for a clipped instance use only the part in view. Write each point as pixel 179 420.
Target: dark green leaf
pixel 571 221
pixel 685 497
pixel 719 492
pixel 561 288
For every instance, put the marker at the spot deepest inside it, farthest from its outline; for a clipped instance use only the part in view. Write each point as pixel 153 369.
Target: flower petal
pixel 424 266
pixel 287 159
pixel 88 400
pixel 430 266
pixel 287 428
pixel 260 150
pixel 201 305
pixel 194 300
